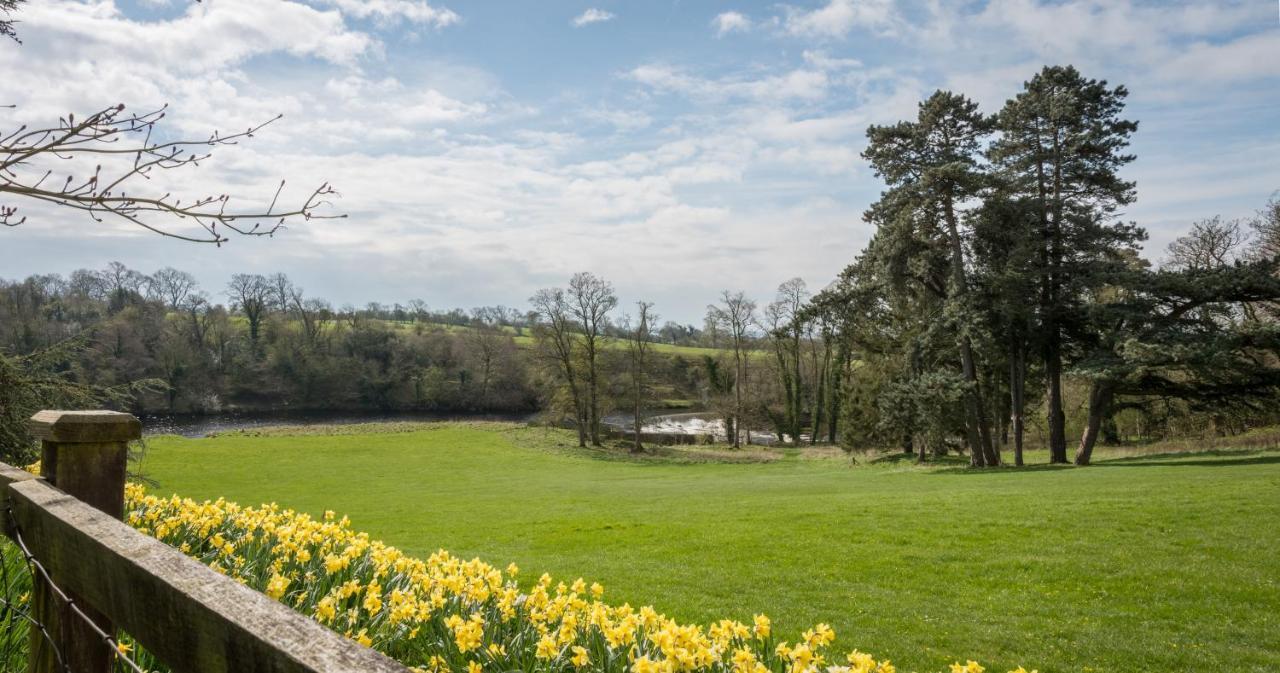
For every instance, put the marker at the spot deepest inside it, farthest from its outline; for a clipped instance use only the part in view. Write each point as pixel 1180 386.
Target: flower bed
pixel 448 614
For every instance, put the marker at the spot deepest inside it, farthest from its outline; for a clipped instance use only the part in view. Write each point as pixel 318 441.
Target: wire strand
pixel 75 609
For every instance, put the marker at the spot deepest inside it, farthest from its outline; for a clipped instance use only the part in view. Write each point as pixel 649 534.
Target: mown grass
pixel 1140 563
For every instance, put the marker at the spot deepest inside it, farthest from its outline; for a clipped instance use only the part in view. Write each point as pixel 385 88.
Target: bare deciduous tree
pixel 419 309
pixel 172 286
pixel 786 328
pixel 315 314
pixel 1266 228
pixel 639 345
pixel 735 315
pixel 7 8
pixel 1210 243
pixel 590 300
pixel 484 345
pixel 281 291
pixel 118 155
pixel 199 313
pixel 250 293
pixel 555 331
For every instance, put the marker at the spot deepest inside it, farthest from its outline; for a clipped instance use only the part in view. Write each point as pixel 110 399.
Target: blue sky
pixel 486 149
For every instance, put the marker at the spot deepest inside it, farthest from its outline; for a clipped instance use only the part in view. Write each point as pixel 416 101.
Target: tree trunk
pixel 1017 394
pixel 798 398
pixel 593 396
pixel 1053 359
pixel 1056 417
pixel 818 405
pixel 977 458
pixel 977 431
pixel 834 393
pixel 737 395
pixel 1100 396
pixel 579 414
pixel 637 447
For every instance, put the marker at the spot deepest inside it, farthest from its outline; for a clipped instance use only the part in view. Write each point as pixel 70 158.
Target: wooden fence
pixel 189 617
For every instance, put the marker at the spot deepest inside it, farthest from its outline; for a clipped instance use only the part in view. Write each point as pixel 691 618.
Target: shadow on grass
pixel 1007 468
pixel 653 454
pixel 1207 458
pixel 1220 458
pixel 952 464
pixel 910 458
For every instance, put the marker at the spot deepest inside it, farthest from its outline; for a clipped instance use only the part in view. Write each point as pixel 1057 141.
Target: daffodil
pixel 445 614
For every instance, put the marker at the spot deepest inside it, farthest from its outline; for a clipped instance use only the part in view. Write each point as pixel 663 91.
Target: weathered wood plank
pixel 84 426
pixel 8 475
pixel 190 617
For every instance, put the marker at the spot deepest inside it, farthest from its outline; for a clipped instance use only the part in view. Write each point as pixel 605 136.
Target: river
pixel 191 425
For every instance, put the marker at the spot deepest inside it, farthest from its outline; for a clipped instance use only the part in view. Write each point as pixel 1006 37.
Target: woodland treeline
pixel 269 346
pixel 160 343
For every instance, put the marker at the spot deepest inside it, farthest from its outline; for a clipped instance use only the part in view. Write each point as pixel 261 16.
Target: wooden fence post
pixel 84 454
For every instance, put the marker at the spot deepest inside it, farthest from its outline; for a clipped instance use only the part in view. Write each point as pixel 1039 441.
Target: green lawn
pixel 1162 563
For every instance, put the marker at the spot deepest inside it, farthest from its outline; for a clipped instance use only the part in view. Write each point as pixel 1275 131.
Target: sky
pixel 677 148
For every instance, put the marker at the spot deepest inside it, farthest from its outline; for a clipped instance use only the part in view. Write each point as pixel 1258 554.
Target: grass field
pixel 1148 563
pixel 525 339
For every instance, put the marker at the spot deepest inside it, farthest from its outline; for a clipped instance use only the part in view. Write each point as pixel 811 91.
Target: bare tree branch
pixel 111 133
pixel 7 8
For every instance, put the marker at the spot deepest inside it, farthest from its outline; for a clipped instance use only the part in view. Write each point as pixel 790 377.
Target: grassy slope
pixel 527 340
pixel 1149 564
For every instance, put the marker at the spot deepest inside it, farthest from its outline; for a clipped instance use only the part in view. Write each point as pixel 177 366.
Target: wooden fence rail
pixel 191 618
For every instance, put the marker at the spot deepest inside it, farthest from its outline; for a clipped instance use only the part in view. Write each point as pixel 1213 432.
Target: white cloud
pixel 820 59
pixel 413 11
pixel 620 119
pixel 591 16
pixel 1076 26
pixel 730 22
pixel 1165 51
pixel 1249 58
pixel 838 17
pixel 795 84
pixel 454 184
pixel 207 36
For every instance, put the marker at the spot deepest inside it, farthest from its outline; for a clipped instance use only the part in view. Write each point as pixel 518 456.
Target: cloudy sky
pixel 484 149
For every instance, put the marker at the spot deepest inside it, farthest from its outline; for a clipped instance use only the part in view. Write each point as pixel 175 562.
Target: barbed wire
pixel 35 566
pixel 20 608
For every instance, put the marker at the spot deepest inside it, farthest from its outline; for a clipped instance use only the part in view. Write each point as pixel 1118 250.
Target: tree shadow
pixel 900 458
pixel 1206 458
pixel 1004 468
pixel 1219 458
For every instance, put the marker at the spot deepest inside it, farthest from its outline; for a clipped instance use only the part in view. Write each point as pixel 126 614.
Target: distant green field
pixel 526 340
pixel 1159 563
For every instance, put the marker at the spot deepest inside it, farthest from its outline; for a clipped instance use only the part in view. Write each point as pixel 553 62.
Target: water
pixel 697 423
pixel 188 425
pixel 191 425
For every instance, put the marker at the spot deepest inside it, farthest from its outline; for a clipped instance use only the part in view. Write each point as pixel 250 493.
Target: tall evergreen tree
pixel 931 167
pixel 1005 249
pixel 1061 148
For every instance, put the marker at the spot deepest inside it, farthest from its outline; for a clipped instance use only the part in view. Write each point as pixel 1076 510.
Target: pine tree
pixel 1061 148
pixel 1175 335
pixel 931 168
